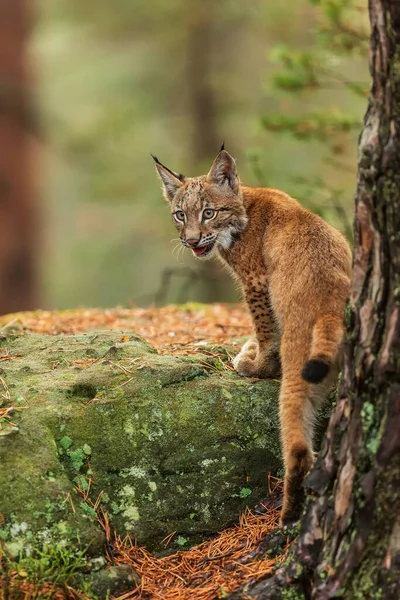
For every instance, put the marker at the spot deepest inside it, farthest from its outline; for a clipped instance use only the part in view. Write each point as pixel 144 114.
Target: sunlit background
pixel 283 83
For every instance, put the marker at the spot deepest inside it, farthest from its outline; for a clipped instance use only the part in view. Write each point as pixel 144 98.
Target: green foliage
pixel 49 564
pixel 46 568
pixel 117 80
pixel 77 458
pixel 318 125
pixel 181 540
pixel 343 27
pixel 82 483
pixel 66 442
pixel 300 69
pixel 304 80
pixel 87 449
pixel 88 509
pixel 244 493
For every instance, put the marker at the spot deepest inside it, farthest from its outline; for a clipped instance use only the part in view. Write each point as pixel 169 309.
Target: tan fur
pixel 294 270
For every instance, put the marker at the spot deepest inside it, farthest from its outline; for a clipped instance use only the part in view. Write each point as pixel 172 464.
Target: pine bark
pixel 349 541
pixel 18 218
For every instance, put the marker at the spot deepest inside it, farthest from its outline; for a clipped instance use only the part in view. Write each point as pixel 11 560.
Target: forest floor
pixel 213 569
pixel 231 558
pixel 167 329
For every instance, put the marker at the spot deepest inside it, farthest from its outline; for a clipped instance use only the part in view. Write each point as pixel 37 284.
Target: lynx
pixel 294 270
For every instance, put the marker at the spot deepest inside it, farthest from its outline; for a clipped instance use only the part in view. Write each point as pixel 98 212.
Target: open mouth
pixel 203 250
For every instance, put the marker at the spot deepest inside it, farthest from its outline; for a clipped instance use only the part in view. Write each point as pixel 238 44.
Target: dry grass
pixel 206 571
pixel 13 587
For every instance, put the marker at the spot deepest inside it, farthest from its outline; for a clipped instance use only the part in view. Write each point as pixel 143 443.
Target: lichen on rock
pixel 172 443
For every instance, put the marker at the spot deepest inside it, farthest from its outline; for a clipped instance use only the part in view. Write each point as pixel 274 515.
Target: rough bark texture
pixel 18 228
pixel 349 542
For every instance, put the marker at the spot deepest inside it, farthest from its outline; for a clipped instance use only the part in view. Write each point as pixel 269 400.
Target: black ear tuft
pixel 155 159
pixel 223 171
pixel 223 146
pixel 179 176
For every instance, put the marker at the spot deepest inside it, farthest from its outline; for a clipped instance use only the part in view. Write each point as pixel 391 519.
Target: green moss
pixel 173 443
pixel 170 447
pixel 292 593
pixel 348 316
pixel 364 582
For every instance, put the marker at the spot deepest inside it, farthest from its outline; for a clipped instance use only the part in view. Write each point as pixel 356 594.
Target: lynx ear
pixel 223 171
pixel 171 181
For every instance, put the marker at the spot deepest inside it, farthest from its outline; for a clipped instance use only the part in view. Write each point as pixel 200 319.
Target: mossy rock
pixel 114 580
pixel 174 443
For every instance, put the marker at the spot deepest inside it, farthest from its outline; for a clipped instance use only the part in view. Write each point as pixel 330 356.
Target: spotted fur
pixel 294 269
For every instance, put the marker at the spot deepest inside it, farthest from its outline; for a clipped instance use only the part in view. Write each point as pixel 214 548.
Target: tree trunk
pixel 205 141
pixel 349 541
pixel 202 100
pixel 18 223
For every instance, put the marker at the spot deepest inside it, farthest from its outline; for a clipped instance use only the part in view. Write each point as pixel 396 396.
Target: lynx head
pixel 207 211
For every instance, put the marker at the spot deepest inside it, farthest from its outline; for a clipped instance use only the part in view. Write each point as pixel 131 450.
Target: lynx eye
pixel 179 216
pixel 209 213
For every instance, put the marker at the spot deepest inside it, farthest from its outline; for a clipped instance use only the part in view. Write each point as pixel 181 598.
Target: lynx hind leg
pixel 297 465
pixel 297 416
pixel 299 460
pixel 299 405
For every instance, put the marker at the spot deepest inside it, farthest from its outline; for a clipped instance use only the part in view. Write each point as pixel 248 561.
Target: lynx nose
pixel 192 242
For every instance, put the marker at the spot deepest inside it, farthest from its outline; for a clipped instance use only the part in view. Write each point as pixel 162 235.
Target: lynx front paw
pixel 244 362
pixel 251 363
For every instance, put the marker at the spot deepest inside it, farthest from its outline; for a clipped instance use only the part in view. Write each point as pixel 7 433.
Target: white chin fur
pixel 225 238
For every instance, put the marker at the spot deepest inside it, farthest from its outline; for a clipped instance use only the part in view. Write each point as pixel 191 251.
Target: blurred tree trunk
pixel 18 223
pixel 203 110
pixel 205 140
pixel 349 542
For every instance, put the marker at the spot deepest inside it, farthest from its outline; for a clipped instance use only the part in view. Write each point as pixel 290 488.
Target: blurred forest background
pixel 88 88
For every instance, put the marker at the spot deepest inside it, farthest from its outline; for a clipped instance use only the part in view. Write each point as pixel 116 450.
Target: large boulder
pixel 161 443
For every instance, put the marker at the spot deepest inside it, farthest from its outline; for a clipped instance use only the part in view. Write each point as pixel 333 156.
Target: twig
pixel 122 384
pixel 7 395
pixel 8 324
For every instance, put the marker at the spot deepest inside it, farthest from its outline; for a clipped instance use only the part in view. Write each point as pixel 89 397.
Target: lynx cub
pixel 294 270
